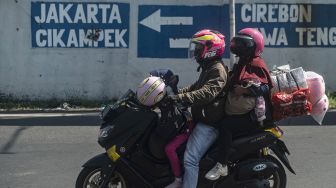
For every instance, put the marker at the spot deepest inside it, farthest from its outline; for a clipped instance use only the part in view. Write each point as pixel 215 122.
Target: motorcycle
pixel 135 140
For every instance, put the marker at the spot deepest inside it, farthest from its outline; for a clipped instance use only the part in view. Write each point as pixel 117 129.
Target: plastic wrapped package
pixel 298 77
pixel 292 85
pixel 283 83
pixel 320 109
pixel 281 105
pixel 294 104
pixel 296 93
pixel 289 81
pixel 316 86
pixel 280 69
pixel 275 88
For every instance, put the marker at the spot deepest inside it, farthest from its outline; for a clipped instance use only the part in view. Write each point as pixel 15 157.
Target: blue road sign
pixel 164 31
pixel 80 25
pixel 290 25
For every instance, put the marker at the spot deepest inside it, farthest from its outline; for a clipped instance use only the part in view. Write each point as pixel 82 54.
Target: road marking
pixel 20 174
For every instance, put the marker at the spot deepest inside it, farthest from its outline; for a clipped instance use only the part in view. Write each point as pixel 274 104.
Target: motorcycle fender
pixel 255 168
pixel 100 160
pixel 280 150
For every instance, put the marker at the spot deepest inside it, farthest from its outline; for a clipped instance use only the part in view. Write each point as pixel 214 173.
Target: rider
pixel 249 80
pixel 205 98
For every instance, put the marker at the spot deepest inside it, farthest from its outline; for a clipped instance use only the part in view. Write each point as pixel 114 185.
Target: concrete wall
pixel 94 73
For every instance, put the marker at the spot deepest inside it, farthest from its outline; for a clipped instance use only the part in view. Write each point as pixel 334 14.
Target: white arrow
pixel 154 21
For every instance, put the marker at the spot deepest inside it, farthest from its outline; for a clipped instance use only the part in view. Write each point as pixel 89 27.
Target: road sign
pixel 79 25
pixel 164 31
pixel 290 25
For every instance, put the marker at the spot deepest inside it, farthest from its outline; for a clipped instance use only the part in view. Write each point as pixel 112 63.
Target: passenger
pixel 248 100
pixel 205 98
pixel 171 153
pixel 171 82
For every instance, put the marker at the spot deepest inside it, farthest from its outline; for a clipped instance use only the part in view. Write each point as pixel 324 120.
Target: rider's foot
pixel 176 184
pixel 217 171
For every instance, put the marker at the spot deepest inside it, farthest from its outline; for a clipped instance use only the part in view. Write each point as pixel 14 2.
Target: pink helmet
pixel 206 45
pixel 151 91
pixel 247 42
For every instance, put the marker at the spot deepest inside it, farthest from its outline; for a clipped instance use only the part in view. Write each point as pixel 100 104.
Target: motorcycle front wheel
pixel 90 177
pixel 278 179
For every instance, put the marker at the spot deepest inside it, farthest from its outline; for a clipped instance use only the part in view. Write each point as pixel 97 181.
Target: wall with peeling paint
pixel 92 73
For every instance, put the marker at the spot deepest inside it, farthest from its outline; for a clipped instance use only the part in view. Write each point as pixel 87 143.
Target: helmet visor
pixel 242 45
pixel 195 50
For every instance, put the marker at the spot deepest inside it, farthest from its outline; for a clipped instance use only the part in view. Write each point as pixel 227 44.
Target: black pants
pixel 230 126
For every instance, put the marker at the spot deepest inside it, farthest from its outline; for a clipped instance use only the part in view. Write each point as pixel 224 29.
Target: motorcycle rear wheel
pixel 90 177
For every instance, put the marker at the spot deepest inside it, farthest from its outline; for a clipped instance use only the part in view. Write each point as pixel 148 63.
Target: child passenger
pixel 171 81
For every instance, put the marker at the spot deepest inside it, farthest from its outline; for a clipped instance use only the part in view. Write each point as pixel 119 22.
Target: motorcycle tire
pixel 90 177
pixel 280 178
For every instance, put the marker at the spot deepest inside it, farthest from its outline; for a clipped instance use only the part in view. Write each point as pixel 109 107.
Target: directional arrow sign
pixel 164 31
pixel 179 43
pixel 154 21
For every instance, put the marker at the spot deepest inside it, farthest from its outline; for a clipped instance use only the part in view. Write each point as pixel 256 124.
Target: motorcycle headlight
pixel 104 132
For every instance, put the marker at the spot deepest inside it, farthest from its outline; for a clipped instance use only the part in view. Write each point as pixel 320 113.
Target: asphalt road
pixel 48 152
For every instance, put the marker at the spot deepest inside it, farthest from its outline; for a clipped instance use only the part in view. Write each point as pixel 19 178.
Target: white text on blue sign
pixel 80 25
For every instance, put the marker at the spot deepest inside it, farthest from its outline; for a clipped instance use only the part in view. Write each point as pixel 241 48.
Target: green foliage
pixel 332 100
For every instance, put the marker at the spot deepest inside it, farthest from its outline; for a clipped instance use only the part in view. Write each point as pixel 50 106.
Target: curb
pixel 329 119
pixel 65 111
pixel 48 115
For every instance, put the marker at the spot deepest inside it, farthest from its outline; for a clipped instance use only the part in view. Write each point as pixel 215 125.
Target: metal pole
pixel 232 28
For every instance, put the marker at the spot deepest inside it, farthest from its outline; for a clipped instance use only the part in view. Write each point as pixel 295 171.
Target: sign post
pixel 232 29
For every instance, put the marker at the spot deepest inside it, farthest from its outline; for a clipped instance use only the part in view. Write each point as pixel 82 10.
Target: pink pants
pixel 171 150
pixel 171 153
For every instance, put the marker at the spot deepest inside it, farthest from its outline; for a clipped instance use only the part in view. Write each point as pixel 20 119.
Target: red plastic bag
pixel 291 104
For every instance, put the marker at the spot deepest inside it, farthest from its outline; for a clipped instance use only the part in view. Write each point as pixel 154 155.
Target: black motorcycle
pixel 134 139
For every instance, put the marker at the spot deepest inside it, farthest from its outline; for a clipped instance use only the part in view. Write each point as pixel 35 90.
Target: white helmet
pixel 151 91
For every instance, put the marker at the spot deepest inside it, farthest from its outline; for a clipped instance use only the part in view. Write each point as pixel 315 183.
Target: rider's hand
pixel 173 98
